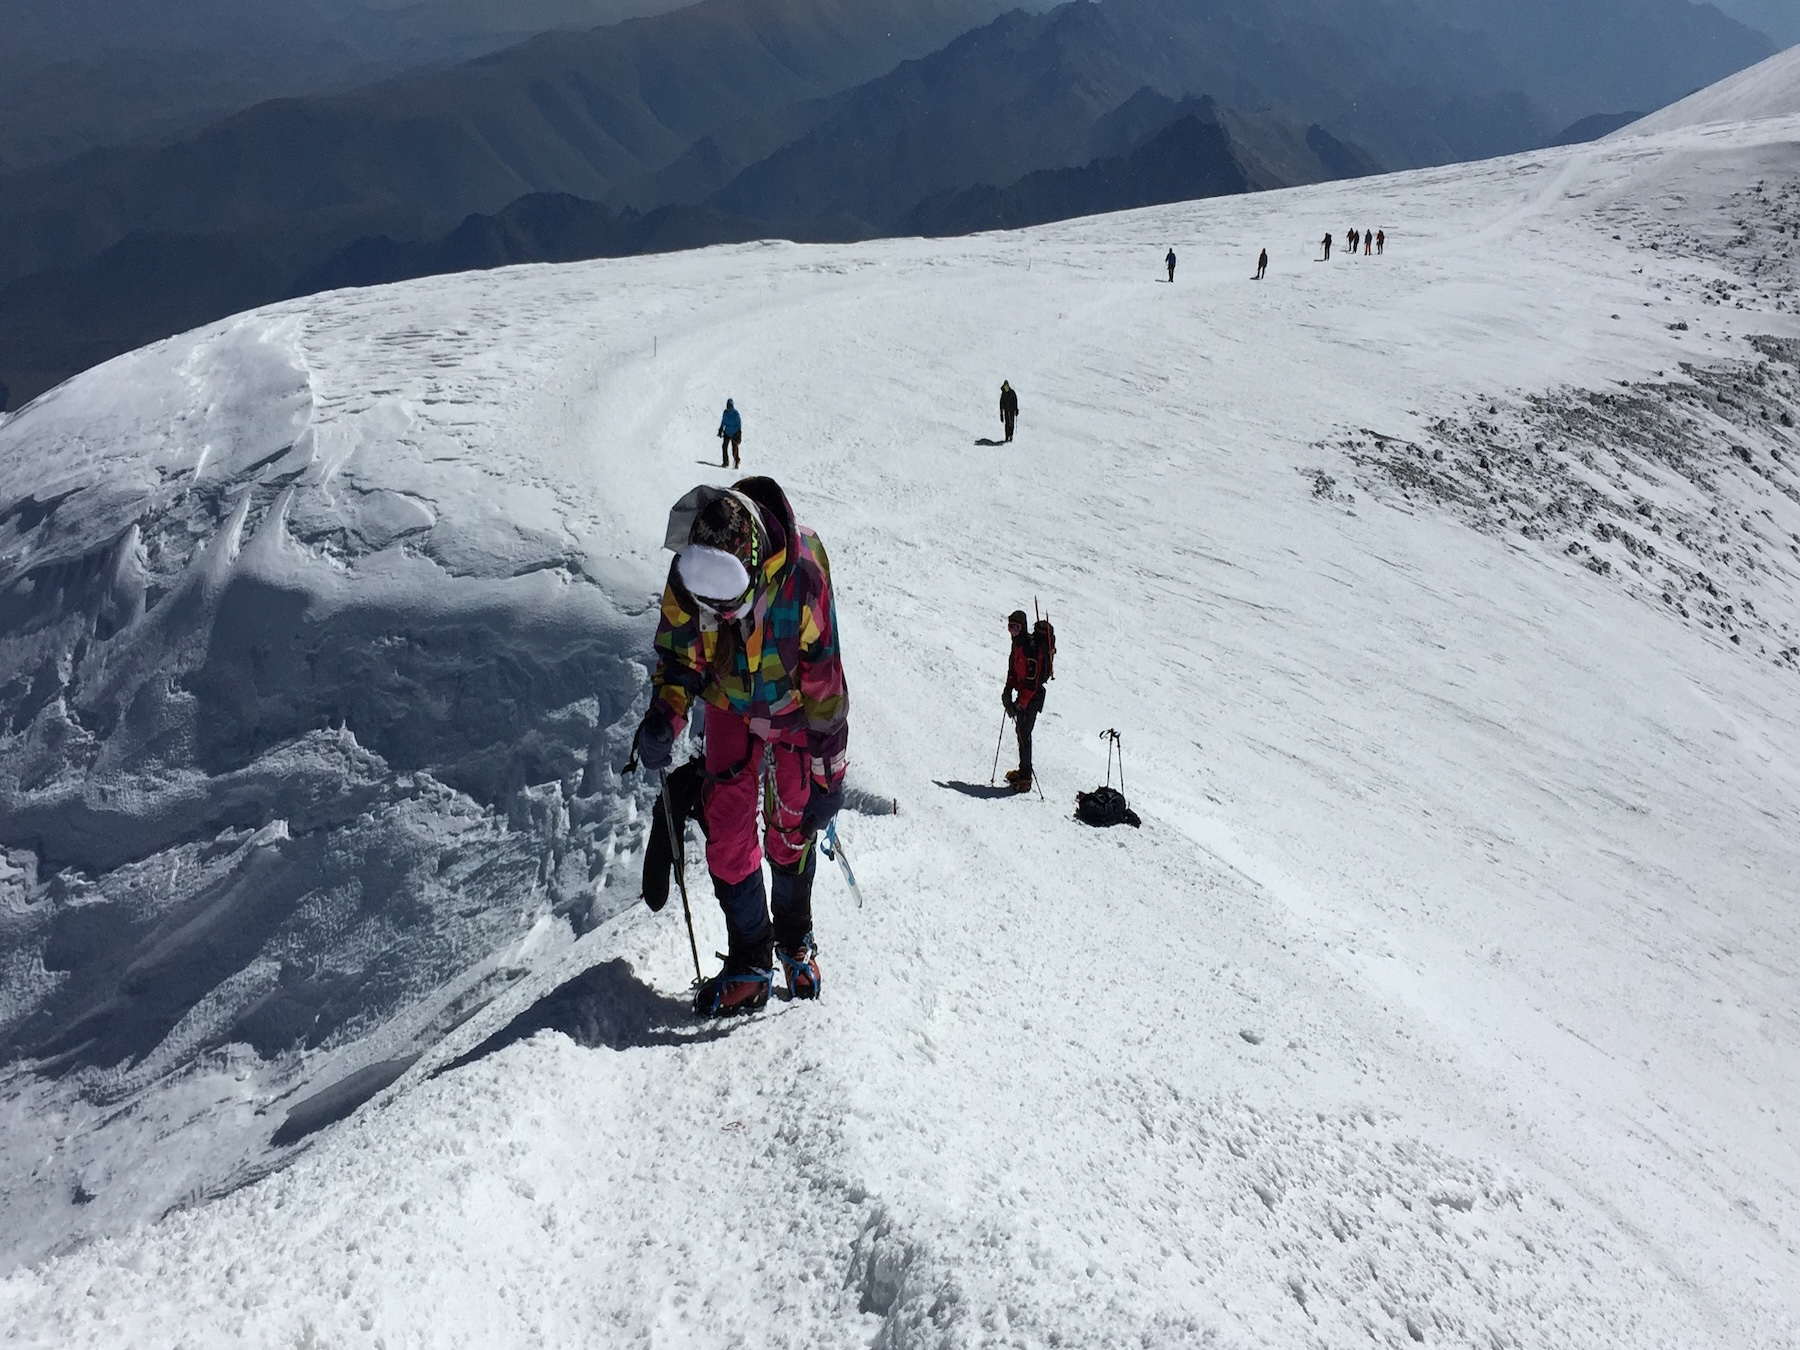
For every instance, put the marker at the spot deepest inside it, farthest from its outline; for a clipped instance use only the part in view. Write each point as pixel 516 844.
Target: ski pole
pixel 678 841
pixel 999 741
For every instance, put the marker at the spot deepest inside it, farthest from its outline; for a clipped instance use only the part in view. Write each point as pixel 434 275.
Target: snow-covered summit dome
pixel 1768 89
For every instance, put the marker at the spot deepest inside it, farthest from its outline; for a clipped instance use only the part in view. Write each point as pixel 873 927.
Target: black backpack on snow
pixel 1105 806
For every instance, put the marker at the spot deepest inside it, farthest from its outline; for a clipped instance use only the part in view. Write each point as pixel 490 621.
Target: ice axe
pixel 835 851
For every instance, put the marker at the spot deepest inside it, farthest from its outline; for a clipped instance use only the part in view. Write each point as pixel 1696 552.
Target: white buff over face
pixel 712 574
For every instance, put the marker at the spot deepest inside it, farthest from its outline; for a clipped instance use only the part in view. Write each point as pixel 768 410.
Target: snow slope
pixel 1770 88
pixel 1447 605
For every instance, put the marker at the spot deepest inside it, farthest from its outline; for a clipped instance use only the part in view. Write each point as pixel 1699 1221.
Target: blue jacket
pixel 731 424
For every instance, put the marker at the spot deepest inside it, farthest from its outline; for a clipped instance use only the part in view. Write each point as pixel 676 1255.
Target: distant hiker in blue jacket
pixel 1170 260
pixel 731 435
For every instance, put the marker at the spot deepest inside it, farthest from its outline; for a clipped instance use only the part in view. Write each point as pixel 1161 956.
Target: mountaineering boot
pixel 737 988
pixel 791 900
pixel 743 984
pixel 1018 780
pixel 801 965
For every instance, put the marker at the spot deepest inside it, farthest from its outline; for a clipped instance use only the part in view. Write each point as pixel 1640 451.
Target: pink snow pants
pixel 732 852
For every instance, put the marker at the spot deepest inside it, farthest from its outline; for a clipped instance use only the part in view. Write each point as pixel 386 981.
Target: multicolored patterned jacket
pixel 778 665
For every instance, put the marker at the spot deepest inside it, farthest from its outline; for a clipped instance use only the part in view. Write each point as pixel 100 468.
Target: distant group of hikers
pixel 1372 245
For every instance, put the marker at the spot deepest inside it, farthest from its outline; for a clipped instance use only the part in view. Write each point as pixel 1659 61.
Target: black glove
pixel 655 745
pixel 822 808
pixel 1009 702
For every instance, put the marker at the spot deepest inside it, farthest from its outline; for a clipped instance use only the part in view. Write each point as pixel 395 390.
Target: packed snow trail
pixel 1447 994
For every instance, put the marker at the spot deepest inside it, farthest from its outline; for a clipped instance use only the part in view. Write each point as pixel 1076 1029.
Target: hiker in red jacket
pixel 1023 696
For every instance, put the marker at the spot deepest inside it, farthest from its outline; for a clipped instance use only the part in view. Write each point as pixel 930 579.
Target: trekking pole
pixel 678 841
pixel 1113 742
pixel 999 741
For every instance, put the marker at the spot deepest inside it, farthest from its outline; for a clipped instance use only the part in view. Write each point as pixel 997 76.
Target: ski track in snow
pixel 1446 997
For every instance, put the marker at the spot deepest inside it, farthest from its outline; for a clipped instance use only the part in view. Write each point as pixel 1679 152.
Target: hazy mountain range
pixel 809 118
pixel 1168 152
pixel 1780 19
pixel 76 75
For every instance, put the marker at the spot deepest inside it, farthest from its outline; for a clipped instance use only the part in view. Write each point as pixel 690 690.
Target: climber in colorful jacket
pixel 749 630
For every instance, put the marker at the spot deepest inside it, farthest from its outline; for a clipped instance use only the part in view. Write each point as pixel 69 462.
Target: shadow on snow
pixel 605 1006
pixel 981 791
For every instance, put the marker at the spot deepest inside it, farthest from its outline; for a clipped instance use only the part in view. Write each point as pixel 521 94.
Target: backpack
pixel 1040 658
pixel 1105 806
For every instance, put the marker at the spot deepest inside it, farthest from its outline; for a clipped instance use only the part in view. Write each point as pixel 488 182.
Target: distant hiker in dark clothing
pixel 1030 667
pixel 1368 244
pixel 1170 260
pixel 1328 248
pixel 1353 238
pixel 1380 242
pixel 1262 265
pixel 731 435
pixel 1009 408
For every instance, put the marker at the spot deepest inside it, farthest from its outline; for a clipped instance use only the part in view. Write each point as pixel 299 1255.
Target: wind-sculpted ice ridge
pixel 293 735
